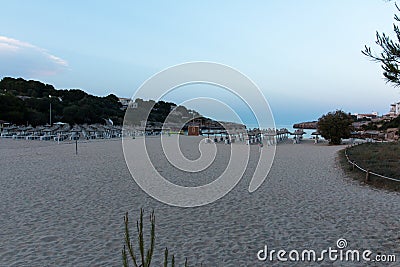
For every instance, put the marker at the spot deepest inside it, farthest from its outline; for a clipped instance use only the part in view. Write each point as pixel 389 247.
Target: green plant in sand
pixel 145 257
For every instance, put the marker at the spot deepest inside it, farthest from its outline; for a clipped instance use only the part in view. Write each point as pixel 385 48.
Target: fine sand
pixel 62 209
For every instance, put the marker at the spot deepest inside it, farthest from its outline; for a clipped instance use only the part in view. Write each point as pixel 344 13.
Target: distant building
pixel 361 116
pixel 133 104
pixel 126 102
pixel 359 124
pixel 23 97
pixel 3 124
pixel 394 110
pixel 194 130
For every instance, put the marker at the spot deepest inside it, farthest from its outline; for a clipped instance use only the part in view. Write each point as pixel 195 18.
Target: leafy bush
pixel 334 126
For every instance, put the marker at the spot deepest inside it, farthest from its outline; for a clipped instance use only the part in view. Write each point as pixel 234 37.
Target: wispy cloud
pixel 20 58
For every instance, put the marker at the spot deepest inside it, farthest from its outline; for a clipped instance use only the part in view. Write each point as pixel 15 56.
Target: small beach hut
pixel 298 135
pixel 316 134
pixel 193 130
pixel 75 132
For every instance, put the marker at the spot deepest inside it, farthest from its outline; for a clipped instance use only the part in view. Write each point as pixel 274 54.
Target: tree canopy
pixel 389 57
pixel 157 112
pixel 28 102
pixel 334 126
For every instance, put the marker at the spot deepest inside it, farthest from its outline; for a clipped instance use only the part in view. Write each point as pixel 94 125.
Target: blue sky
pixel 304 55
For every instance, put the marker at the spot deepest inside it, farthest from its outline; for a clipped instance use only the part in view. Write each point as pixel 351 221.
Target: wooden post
pixel 354 165
pixel 367 176
pixel 76 146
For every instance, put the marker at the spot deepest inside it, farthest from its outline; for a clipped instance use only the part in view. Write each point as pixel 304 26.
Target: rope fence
pixel 368 173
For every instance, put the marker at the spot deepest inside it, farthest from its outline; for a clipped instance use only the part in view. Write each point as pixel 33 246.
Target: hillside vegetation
pixel 28 102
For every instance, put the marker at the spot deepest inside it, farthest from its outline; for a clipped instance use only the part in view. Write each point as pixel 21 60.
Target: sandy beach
pixel 62 209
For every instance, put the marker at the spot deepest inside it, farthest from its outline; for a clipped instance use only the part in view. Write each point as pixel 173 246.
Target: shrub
pixel 334 126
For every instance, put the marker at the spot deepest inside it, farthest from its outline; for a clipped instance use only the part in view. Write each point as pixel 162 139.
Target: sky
pixel 305 56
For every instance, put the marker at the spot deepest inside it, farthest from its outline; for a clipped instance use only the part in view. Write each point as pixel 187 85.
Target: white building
pixel 126 102
pixel 394 110
pixel 371 115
